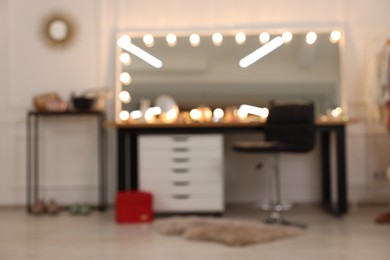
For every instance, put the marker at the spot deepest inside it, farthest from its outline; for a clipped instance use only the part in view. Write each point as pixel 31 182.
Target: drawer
pixel 188 203
pixel 164 141
pixel 183 173
pixel 164 153
pixel 182 187
pixel 180 162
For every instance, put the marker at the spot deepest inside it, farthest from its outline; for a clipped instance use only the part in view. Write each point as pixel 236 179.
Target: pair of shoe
pixel 383 218
pixel 41 207
pixel 80 209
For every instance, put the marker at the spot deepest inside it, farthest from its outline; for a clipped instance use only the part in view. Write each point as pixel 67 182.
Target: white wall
pixel 28 67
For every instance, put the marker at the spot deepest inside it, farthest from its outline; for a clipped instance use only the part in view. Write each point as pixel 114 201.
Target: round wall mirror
pixel 58 30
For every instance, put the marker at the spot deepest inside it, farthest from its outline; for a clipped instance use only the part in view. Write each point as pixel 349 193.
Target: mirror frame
pixel 51 40
pixel 162 33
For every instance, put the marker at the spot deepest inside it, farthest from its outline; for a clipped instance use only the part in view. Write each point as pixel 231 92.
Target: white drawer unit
pixel 183 172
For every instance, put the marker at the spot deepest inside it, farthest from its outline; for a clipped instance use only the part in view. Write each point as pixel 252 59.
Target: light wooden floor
pixel 97 236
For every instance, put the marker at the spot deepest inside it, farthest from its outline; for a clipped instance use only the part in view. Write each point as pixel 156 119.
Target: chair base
pixel 272 206
pixel 276 218
pixel 275 213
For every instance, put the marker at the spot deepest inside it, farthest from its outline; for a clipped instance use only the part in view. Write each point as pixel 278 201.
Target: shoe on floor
pixel 383 218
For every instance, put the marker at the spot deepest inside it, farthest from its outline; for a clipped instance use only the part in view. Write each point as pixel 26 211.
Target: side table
pixel 32 188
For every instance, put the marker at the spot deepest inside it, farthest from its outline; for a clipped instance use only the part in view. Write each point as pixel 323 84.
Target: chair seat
pixel 256 146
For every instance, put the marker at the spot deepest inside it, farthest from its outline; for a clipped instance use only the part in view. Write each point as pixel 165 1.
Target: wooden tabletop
pixel 135 124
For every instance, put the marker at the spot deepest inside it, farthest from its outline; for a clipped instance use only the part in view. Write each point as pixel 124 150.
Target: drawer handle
pixel 180 170
pixel 181 183
pixel 181 196
pixel 180 149
pixel 180 138
pixel 180 160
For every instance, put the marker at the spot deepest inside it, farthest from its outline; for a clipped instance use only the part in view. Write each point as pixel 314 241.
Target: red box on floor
pixel 134 207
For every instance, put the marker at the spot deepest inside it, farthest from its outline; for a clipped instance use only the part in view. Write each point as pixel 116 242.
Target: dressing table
pixel 334 192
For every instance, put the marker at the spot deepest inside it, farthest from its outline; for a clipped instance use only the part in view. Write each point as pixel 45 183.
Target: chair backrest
pixel 292 126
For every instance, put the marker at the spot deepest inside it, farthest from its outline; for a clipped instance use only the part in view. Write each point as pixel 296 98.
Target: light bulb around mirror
pixel 171 39
pixel 123 40
pixel 217 39
pixel 148 40
pixel 125 78
pixel 124 96
pixel 311 38
pixel 124 115
pixel 264 37
pixel 335 36
pixel 240 38
pixel 194 40
pixel 287 37
pixel 125 58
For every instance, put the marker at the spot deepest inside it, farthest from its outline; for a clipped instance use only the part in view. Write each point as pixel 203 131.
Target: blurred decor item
pixel 231 114
pixel 92 99
pixel 82 102
pixel 335 114
pixel 206 113
pixel 169 108
pixel 50 102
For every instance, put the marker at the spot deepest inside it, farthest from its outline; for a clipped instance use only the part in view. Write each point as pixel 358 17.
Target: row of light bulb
pixel 240 38
pixel 195 114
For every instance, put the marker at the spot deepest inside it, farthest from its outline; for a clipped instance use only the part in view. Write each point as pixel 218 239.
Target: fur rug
pixel 226 231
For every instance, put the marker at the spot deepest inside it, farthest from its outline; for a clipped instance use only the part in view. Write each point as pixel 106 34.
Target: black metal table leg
pixel 134 161
pixel 102 165
pixel 326 172
pixel 339 204
pixel 342 206
pixel 29 163
pixel 121 155
pixel 35 196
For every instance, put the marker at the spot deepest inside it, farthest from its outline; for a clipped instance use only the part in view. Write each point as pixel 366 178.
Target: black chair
pixel 289 128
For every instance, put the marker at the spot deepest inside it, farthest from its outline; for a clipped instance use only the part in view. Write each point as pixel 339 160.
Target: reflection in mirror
pixel 204 69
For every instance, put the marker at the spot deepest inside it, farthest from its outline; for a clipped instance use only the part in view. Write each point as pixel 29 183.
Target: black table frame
pixel 32 188
pixel 334 192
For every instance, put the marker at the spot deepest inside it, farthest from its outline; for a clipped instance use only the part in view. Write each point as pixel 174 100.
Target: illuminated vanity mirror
pixel 207 71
